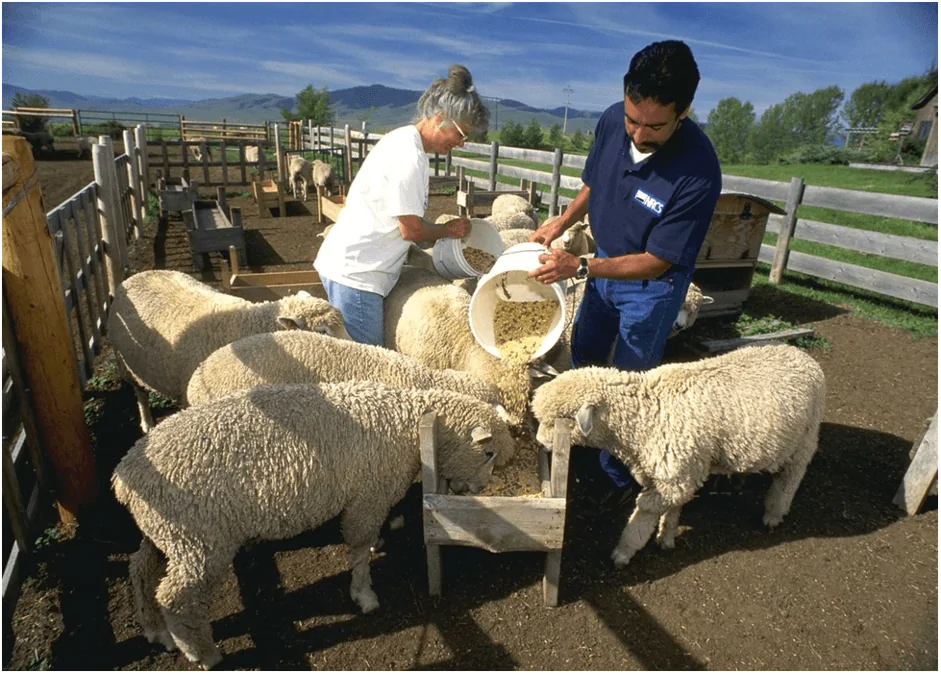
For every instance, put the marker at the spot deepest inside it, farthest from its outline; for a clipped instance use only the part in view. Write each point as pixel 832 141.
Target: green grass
pixel 867 180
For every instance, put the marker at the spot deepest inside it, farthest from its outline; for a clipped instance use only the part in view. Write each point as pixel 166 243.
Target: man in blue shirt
pixel 651 183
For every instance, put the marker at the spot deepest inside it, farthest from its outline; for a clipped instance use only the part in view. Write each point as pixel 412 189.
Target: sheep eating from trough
pixel 325 177
pixel 303 357
pixel 689 311
pixel 196 150
pixel 163 324
pixel 754 409
pixel 273 462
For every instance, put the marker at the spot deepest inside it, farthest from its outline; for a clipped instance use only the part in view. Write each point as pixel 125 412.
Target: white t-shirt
pixel 637 155
pixel 365 249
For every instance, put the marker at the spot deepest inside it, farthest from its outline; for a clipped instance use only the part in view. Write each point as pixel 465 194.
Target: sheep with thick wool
pixel 83 145
pixel 324 176
pixel 163 324
pixel 273 462
pixel 512 204
pixel 302 357
pixel 753 409
pixel 512 220
pixel 426 317
pixel 309 173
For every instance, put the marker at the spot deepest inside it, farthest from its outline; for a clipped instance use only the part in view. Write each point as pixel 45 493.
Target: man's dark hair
pixel 664 72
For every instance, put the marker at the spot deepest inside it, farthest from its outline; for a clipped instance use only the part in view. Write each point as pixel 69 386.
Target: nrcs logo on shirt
pixel 649 202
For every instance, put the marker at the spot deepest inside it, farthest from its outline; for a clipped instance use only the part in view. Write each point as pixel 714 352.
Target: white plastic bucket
pixel 448 252
pixel 508 281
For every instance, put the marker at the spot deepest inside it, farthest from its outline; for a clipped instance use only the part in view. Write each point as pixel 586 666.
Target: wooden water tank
pixel 726 262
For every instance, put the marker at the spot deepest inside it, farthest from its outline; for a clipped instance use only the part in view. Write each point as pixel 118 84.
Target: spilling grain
pixel 479 260
pixel 520 327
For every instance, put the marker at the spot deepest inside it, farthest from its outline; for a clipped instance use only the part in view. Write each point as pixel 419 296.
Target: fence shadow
pixel 259 251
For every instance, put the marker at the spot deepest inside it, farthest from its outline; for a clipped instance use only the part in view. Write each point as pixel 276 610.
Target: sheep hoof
pixel 622 557
pixel 161 637
pixel 772 521
pixel 666 543
pixel 367 601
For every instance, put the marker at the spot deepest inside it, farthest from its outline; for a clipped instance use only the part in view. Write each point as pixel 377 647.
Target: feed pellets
pixel 520 327
pixel 479 260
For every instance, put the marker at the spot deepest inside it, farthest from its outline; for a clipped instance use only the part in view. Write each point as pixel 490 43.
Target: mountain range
pixel 382 108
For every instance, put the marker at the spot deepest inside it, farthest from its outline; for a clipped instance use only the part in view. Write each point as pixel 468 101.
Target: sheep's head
pixel 689 312
pixel 305 312
pixel 567 396
pixel 472 441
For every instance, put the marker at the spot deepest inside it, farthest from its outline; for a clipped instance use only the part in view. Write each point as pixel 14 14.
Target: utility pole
pixel 568 91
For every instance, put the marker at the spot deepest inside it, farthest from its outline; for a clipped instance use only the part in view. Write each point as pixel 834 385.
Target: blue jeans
pixel 637 317
pixel 361 310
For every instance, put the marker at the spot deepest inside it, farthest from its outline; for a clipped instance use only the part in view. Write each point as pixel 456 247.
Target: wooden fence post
pixel 556 180
pixel 33 290
pixel 182 134
pixel 107 216
pixel 143 163
pixel 133 179
pixel 494 151
pixel 278 156
pixel 447 164
pixel 111 186
pixel 310 133
pixel 781 250
pixel 348 154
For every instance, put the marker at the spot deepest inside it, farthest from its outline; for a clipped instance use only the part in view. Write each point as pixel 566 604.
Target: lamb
pixel 299 170
pixel 512 204
pixel 301 357
pixel 511 220
pixel 270 463
pixel 576 240
pixel 83 145
pixel 196 150
pixel 324 176
pixel 689 311
pixel 674 425
pixel 163 324
pixel 426 318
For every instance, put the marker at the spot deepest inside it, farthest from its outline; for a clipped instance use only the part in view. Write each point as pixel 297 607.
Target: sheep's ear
pixel 708 300
pixel 303 294
pixel 290 323
pixel 584 419
pixel 503 414
pixel 542 370
pixel 491 462
pixel 479 435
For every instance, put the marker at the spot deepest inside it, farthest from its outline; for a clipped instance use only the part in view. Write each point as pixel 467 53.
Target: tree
pixel 766 139
pixel 578 140
pixel 30 123
pixel 813 118
pixel 555 135
pixel 532 136
pixel 867 105
pixel 312 104
pixel 728 126
pixel 512 134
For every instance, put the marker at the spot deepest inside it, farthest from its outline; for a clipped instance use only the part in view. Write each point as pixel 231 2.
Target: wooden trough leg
pixel 561 448
pixel 922 472
pixel 431 484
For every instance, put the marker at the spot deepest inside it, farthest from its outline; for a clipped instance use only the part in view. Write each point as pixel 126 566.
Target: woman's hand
pixel 458 227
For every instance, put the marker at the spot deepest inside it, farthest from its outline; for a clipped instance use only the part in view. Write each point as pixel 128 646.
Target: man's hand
pixel 548 232
pixel 556 266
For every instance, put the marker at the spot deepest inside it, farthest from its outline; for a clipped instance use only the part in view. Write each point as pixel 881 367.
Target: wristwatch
pixel 582 271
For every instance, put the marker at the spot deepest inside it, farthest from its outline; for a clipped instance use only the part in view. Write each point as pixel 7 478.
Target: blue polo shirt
pixel 661 205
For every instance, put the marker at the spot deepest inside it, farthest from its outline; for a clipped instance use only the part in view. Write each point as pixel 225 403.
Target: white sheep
pixel 445 218
pixel 517 235
pixel 689 311
pixel 512 204
pixel 303 357
pixel 196 150
pixel 163 324
pixel 753 409
pixel 511 220
pixel 323 175
pixel 577 240
pixel 271 463
pixel 83 145
pixel 299 171
pixel 251 153
pixel 426 318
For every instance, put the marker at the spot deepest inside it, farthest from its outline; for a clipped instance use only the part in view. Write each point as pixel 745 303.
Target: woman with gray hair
pixel 361 259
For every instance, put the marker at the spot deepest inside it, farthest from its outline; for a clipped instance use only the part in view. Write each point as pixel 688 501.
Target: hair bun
pixel 459 80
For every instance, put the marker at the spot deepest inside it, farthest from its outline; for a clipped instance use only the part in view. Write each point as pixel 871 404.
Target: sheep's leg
pixel 143 402
pixel 650 506
pixel 669 521
pixel 360 524
pixel 146 565
pixel 183 596
pixel 785 483
pixel 304 186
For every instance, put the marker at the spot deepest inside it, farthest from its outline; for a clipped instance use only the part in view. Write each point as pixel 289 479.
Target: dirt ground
pixel 848 582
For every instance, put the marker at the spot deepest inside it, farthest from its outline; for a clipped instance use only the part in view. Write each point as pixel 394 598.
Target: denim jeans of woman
pixel 361 310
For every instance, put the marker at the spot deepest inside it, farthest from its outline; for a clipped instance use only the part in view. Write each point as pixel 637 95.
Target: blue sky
pixel 757 52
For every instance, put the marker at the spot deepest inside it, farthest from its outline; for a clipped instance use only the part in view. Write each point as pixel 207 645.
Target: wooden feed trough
pixel 330 206
pixel 209 229
pixel 265 286
pixel 268 195
pixel 497 524
pixel 470 198
pixel 175 194
pixel 729 254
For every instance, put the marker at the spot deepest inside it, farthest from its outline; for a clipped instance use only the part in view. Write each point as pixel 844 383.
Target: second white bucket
pixel 448 252
pixel 508 281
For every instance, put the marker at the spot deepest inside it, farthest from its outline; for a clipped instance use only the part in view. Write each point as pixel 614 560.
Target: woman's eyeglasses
pixel 460 131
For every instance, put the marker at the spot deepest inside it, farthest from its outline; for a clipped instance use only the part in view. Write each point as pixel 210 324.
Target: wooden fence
pixel 51 113
pixel 60 272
